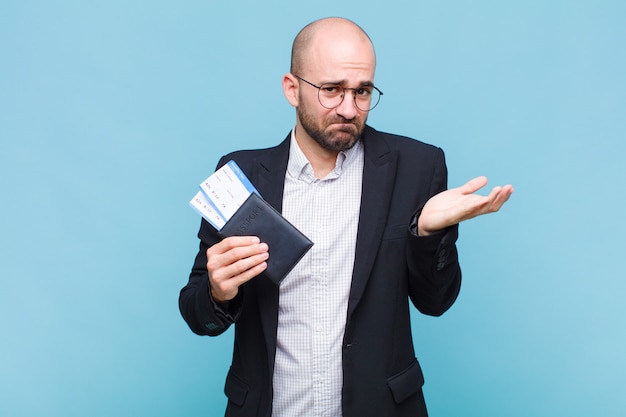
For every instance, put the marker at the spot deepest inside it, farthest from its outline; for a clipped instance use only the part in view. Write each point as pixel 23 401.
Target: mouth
pixel 345 127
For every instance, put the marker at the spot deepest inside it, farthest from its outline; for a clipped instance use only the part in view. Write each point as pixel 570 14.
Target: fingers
pixel 476 205
pixel 495 192
pixel 232 249
pixel 494 201
pixel 232 262
pixel 236 269
pixel 501 196
pixel 496 198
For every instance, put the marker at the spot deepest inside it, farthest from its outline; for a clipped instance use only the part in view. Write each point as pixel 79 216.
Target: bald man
pixel 334 339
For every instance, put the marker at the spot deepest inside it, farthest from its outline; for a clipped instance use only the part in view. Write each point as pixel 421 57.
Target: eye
pixel 331 89
pixel 364 92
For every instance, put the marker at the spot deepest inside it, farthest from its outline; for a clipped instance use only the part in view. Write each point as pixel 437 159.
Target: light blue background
pixel 111 113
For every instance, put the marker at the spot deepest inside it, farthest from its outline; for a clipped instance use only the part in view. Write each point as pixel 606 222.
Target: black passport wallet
pixel 287 244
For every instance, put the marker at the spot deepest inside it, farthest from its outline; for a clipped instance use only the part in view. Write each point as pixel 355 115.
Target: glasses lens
pixel 330 95
pixel 365 98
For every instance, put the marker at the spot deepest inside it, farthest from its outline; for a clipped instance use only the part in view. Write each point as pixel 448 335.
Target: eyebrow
pixel 343 82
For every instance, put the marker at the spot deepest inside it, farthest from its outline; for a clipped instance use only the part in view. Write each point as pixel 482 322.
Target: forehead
pixel 341 55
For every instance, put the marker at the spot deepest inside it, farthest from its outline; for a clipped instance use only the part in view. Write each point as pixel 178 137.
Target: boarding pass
pixel 222 194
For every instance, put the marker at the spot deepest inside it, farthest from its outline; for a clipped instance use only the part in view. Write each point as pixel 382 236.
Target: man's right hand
pixel 232 262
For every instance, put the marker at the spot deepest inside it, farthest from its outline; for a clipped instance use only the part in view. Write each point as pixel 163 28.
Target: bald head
pixel 321 33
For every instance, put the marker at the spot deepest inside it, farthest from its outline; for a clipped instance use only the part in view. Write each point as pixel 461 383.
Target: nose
pixel 347 109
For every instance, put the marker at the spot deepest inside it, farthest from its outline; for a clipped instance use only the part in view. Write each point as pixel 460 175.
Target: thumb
pixel 473 185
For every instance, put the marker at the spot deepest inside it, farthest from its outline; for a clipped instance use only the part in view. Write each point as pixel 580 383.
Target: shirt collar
pixel 300 168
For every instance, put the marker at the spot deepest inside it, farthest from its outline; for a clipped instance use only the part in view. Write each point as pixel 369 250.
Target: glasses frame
pixel 343 95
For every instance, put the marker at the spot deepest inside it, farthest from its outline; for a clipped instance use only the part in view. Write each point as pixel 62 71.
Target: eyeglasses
pixel 331 95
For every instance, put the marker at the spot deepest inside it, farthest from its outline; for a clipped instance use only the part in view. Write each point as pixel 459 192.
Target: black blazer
pixel 382 377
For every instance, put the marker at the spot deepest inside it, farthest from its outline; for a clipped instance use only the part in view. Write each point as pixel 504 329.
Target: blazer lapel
pixel 269 173
pixel 379 173
pixel 268 177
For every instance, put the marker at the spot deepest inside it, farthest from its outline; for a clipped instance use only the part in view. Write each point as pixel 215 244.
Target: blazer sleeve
pixel 434 271
pixel 203 315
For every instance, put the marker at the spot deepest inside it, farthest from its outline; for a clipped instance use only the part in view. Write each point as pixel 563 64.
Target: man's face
pixel 347 62
pixel 330 130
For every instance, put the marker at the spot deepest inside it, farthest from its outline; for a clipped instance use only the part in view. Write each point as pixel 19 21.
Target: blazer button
pixel 211 326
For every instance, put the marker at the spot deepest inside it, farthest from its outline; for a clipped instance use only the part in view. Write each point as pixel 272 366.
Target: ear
pixel 291 88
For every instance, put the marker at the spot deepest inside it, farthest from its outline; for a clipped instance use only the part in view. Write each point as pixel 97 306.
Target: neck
pixel 322 160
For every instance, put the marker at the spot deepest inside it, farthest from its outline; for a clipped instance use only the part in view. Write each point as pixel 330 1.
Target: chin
pixel 340 144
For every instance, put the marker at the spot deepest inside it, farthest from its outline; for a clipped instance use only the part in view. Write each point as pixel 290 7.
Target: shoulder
pixel 245 157
pixel 404 145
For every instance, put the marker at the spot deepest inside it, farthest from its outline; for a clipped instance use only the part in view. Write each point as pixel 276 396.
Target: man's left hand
pixel 458 204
